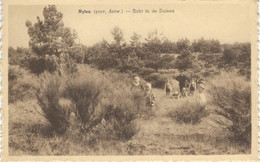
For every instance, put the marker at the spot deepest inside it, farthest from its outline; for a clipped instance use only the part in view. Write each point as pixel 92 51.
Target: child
pixel 136 86
pixel 137 91
pixel 168 87
pixel 184 92
pixel 187 83
pixel 150 99
pixel 192 86
pixel 136 81
pixel 201 99
pixel 176 95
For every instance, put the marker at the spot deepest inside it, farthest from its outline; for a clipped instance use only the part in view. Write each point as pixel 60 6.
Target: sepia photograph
pixel 130 79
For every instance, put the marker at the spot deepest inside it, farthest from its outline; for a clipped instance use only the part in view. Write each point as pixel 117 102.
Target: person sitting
pixel 150 99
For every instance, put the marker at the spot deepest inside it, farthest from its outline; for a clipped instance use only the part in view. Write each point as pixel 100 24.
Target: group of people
pixel 187 87
pixel 145 89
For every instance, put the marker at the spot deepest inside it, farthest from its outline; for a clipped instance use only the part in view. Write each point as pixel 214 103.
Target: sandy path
pixel 159 135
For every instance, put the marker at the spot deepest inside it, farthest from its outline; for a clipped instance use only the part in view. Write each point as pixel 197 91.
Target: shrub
pixel 122 106
pixel 156 79
pixel 48 96
pixel 118 78
pixel 67 65
pixel 146 71
pixel 122 121
pixel 188 111
pixel 85 91
pixel 94 98
pixel 231 95
pixel 37 65
pixel 169 71
pixel 19 56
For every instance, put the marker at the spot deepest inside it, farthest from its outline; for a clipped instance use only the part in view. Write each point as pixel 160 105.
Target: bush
pixel 64 64
pixel 156 79
pixel 19 84
pixel 118 78
pixel 146 71
pixel 121 113
pixel 95 99
pixel 169 71
pixel 85 92
pixel 188 111
pixel 122 107
pixel 231 95
pixel 37 65
pixel 49 96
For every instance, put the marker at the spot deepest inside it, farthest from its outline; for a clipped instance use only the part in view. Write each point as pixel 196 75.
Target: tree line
pixel 53 44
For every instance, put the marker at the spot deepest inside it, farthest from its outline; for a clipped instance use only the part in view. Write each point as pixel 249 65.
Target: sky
pixel 228 23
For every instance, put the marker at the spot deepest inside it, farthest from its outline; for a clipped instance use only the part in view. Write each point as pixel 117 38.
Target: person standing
pixel 168 87
pixel 181 79
pixel 136 84
pixel 201 99
pixel 137 91
pixel 150 99
pixel 192 86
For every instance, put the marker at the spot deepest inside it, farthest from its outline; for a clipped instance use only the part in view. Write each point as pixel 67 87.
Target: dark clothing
pixel 181 78
pixel 168 91
pixel 181 87
pixel 192 88
pixel 168 88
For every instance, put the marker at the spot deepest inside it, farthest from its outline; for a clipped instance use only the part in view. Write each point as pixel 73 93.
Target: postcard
pixel 129 80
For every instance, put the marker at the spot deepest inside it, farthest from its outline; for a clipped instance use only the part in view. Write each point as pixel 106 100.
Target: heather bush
pixel 85 92
pixel 89 99
pixel 188 111
pixel 37 65
pixel 156 79
pixel 118 78
pixel 146 71
pixel 121 116
pixel 231 96
pixel 49 98
pixel 122 106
